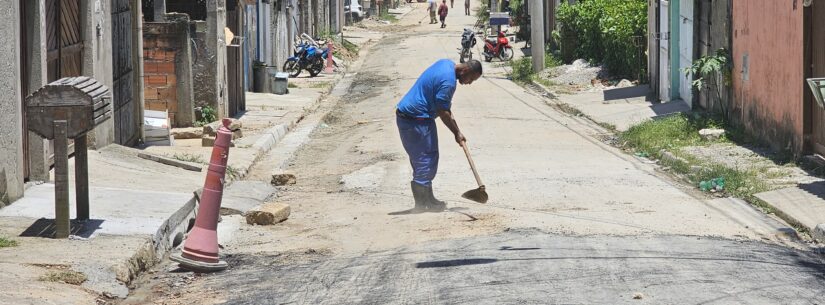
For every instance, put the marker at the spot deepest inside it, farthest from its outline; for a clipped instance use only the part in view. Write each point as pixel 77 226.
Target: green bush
pixel 591 27
pixel 623 33
pixel 522 69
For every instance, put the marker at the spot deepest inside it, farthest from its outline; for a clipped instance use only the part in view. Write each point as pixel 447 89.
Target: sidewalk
pixel 796 196
pixel 141 208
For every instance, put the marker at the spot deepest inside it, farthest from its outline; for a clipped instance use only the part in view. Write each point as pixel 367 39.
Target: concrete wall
pixel 168 69
pixel 209 62
pixel 38 148
pixel 11 121
pixel 768 70
pixel 97 58
pixel 281 49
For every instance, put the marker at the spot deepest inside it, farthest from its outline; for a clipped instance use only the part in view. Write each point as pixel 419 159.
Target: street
pixel 571 219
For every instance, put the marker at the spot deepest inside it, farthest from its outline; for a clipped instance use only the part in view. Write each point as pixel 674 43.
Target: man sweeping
pixel 430 97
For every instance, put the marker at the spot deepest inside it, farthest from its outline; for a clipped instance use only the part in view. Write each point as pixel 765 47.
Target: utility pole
pixel 537 34
pixel 494 4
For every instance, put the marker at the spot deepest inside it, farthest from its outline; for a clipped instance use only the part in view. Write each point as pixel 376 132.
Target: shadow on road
pixel 44 227
pixel 456 262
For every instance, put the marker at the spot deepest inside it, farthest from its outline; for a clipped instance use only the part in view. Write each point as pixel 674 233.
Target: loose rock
pixel 268 214
pixel 207 141
pixel 211 129
pixel 283 179
pixel 624 84
pixel 711 134
pixel 638 296
pixel 187 133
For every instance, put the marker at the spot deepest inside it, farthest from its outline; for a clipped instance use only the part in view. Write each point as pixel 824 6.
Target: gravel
pixel 578 73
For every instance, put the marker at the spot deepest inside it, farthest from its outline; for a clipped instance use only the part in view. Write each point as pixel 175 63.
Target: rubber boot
pixel 420 195
pixel 434 205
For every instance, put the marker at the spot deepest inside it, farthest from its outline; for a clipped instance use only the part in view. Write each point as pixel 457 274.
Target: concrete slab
pixel 803 205
pixel 245 195
pixel 122 211
pixel 621 112
pixel 117 166
pixel 741 212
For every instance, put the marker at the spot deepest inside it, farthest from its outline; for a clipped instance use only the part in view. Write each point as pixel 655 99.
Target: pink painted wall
pixel 770 102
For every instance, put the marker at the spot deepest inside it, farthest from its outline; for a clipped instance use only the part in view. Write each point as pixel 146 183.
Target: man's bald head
pixel 468 72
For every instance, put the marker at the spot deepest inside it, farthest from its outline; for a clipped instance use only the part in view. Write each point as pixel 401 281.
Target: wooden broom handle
pixel 472 164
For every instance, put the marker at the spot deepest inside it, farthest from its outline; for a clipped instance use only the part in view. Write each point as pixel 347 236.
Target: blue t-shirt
pixel 432 91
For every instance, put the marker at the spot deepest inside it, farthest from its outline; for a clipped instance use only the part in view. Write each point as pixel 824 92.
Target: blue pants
pixel 420 139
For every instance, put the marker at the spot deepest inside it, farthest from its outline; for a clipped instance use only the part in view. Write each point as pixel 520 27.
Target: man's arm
pixel 448 119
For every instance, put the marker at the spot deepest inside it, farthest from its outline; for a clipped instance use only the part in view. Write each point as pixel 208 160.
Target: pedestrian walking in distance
pixel 431 96
pixel 451 3
pixel 467 7
pixel 442 12
pixel 431 7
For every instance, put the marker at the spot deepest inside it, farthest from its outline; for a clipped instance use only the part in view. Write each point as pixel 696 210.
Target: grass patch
pixel 5 242
pixel 64 276
pixel 232 172
pixel 189 158
pixel 670 133
pixel 388 17
pixel 291 85
pixel 677 131
pixel 319 85
pixel 351 47
pixel 522 70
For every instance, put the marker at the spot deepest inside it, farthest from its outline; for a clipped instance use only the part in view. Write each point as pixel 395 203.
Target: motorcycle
pixel 499 47
pixel 468 41
pixel 306 57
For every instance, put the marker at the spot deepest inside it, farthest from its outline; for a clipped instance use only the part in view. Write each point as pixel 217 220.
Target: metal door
pixel 235 63
pixel 817 53
pixel 664 50
pixel 125 107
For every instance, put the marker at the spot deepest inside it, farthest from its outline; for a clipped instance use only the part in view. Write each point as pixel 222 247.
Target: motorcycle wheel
pixel 292 67
pixel 316 67
pixel 488 58
pixel 506 54
pixel 466 55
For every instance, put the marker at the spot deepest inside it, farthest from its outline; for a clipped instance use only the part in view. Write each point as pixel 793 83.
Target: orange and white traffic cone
pixel 200 251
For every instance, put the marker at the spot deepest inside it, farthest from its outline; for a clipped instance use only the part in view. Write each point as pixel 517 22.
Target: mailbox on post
pixel 67 109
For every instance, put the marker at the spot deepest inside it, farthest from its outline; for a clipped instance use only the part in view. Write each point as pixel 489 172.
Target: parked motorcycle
pixel 468 41
pixel 306 57
pixel 499 47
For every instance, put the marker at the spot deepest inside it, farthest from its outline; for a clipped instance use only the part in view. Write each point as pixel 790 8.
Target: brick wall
pixel 167 69
pixel 160 82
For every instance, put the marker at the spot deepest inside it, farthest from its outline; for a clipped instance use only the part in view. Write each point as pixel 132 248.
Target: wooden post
pixel 61 179
pixel 81 177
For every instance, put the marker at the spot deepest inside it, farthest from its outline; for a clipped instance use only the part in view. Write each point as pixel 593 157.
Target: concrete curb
pixel 668 158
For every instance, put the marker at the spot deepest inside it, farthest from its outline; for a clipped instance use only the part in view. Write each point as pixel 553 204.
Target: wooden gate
pixel 64 45
pixel 65 39
pixel 126 131
pixel 816 41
